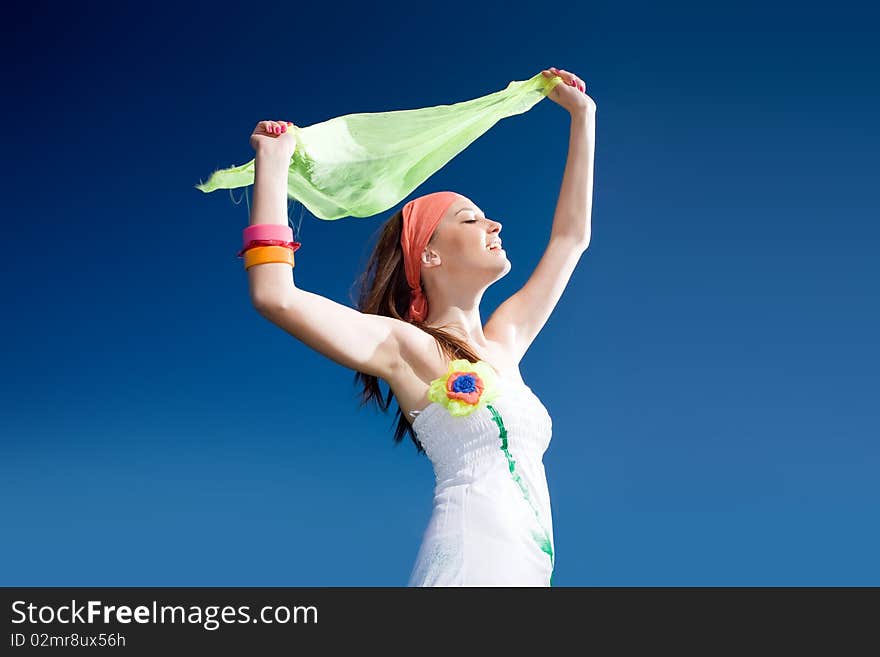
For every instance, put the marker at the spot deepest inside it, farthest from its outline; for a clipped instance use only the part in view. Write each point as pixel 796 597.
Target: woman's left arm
pixel 517 321
pixel 571 221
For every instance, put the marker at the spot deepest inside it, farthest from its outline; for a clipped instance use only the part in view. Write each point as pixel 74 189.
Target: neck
pixel 461 318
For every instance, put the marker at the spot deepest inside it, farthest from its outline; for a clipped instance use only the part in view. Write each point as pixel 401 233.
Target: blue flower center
pixel 465 383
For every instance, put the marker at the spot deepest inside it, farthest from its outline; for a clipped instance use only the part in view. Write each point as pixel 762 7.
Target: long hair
pixel 385 291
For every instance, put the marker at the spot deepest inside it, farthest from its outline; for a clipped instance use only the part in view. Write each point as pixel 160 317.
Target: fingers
pixel 274 127
pixel 570 78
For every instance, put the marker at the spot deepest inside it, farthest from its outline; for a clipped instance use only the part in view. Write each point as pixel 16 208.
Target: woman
pixel 460 394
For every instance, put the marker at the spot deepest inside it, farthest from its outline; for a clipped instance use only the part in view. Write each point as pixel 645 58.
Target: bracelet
pixel 260 255
pixel 264 243
pixel 293 246
pixel 267 232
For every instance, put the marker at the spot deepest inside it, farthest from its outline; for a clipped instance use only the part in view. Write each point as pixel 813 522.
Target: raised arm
pixel 362 342
pixel 519 319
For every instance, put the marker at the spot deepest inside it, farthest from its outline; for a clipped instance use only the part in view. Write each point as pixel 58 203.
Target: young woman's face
pixel 463 238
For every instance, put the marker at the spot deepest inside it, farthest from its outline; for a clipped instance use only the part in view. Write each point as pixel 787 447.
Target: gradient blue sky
pixel 711 370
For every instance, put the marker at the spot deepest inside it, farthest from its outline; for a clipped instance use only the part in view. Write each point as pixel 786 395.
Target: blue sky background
pixel 711 370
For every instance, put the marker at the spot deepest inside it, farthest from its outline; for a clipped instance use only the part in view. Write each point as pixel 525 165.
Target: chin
pixel 503 271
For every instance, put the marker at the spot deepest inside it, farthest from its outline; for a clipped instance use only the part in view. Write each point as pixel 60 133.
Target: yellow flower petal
pixel 460 365
pixel 437 390
pixel 459 408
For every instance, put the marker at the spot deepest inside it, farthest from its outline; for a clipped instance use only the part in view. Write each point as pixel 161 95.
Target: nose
pixel 496 226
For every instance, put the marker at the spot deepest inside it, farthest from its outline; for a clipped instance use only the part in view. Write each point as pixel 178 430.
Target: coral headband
pixel 420 217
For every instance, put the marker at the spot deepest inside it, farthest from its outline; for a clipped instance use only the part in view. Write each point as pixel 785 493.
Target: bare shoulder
pixel 418 355
pixel 421 360
pixel 412 340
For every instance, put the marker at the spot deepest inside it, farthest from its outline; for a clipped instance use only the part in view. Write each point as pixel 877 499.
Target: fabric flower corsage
pixel 466 387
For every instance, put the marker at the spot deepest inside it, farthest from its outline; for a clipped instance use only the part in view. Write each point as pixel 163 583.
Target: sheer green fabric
pixel 361 164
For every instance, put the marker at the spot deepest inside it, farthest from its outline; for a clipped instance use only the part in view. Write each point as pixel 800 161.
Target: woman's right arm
pixel 363 342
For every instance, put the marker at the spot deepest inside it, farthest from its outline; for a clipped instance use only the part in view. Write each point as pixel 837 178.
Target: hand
pixel 274 137
pixel 570 93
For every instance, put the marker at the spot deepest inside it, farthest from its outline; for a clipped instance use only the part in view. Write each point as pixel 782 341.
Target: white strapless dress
pixel 491 523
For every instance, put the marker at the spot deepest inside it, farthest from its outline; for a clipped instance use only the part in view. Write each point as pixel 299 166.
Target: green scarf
pixel 361 164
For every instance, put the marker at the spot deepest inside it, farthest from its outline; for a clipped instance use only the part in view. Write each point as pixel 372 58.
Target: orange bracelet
pixel 259 255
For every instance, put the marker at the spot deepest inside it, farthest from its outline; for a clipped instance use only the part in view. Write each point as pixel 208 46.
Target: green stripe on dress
pixel 542 538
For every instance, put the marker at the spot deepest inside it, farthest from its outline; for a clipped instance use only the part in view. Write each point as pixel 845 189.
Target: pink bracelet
pixel 267 232
pixel 267 235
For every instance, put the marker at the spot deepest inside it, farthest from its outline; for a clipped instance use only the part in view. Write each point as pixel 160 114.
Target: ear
pixel 430 257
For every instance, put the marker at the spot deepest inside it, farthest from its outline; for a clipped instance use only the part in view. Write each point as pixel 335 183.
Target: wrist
pixel 273 157
pixel 583 114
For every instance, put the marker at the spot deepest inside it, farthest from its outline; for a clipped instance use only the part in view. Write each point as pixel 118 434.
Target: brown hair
pixel 384 290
